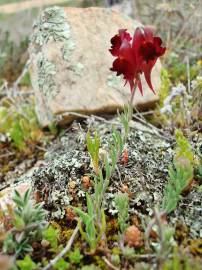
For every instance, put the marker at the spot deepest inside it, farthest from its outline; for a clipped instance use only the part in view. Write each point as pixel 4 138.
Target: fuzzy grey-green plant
pixel 94 228
pixel 29 223
pixel 165 237
pixel 122 205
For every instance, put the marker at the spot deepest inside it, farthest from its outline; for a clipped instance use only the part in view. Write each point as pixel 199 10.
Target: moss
pixel 196 247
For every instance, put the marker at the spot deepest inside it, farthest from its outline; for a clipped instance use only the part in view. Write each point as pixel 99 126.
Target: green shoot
pixel 125 118
pixel 181 175
pixel 183 149
pixel 93 231
pixel 179 179
pixel 93 146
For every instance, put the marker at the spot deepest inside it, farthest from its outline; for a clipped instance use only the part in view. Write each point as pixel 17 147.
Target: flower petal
pixel 139 84
pixel 147 73
pixel 117 40
pixel 148 33
pixel 138 39
pixel 157 43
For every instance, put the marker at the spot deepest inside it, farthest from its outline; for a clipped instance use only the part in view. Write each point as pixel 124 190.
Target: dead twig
pixel 188 75
pixel 158 132
pixel 64 251
pixel 153 130
pixel 155 220
pixel 111 266
pixel 19 79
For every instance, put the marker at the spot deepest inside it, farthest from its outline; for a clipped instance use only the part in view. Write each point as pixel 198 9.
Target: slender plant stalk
pixel 132 95
pixel 64 251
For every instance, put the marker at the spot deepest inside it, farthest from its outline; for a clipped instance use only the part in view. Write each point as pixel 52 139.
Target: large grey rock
pixel 70 64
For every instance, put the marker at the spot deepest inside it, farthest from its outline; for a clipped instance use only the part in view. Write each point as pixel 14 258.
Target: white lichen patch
pixel 78 69
pixel 67 49
pixel 114 81
pixel 51 23
pixel 53 26
pixel 46 72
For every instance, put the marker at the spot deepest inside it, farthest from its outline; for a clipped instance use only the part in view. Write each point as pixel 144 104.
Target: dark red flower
pixel 117 40
pixel 136 58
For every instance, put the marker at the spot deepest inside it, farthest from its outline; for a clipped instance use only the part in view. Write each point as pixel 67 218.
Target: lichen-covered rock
pixel 70 64
pixel 60 180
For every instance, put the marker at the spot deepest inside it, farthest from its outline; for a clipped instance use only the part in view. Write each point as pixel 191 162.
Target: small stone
pixel 86 182
pixel 45 243
pixel 70 214
pixel 5 262
pixel 72 184
pixel 133 236
pixel 70 68
pixel 6 195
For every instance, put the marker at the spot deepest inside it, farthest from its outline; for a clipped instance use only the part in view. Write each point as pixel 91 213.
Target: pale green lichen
pixel 114 81
pixel 51 23
pixel 46 71
pixel 78 68
pixel 67 49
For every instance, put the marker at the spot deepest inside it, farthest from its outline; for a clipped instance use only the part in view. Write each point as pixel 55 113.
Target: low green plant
pixel 179 178
pixel 90 267
pixel 26 263
pixel 122 205
pixel 28 221
pixel 20 124
pixel 181 262
pixel 26 81
pixel 62 265
pixel 115 258
pixel 75 256
pixel 183 150
pixel 128 253
pixel 51 235
pixel 178 69
pixel 180 174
